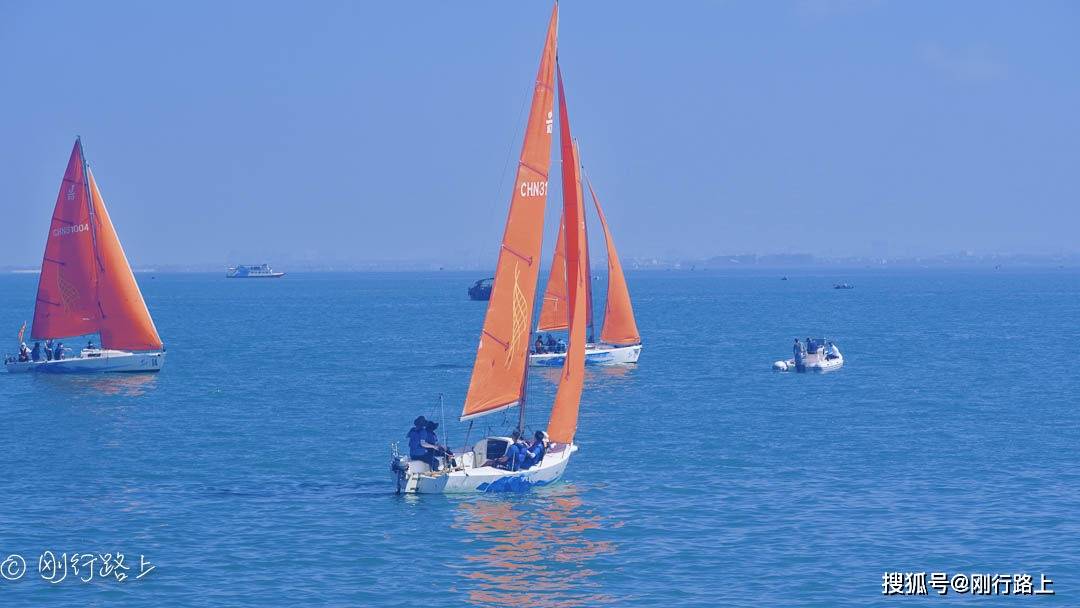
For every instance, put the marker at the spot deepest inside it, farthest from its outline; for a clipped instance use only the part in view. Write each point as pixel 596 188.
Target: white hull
pixel 813 364
pixel 468 478
pixel 93 361
pixel 595 354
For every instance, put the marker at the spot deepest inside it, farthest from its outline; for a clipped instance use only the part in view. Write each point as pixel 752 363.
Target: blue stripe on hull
pixel 513 483
pixel 590 359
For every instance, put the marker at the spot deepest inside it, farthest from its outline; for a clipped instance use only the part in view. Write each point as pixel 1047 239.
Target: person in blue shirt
pixel 433 439
pixel 35 354
pixel 419 447
pixel 58 354
pixel 551 344
pixel 535 452
pixel 512 459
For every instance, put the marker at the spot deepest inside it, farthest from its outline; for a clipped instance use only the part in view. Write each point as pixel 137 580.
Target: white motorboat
pixel 86 288
pixel 500 370
pixel 820 356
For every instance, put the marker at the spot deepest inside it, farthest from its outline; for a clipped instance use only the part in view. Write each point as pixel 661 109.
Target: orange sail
pixel 553 315
pixel 554 309
pixel 498 378
pixel 564 413
pixel 619 328
pixel 67 288
pixel 125 322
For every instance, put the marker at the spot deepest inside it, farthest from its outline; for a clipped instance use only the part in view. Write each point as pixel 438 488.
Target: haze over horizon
pixel 248 132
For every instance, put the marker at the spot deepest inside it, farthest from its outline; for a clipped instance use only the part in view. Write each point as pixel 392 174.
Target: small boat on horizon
pixel 86 288
pixel 481 290
pixel 843 286
pixel 252 271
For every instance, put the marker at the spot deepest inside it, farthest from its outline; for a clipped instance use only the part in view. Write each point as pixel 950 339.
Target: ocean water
pixel 253 471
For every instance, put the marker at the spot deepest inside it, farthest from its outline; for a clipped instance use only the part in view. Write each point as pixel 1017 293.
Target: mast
pixel 100 267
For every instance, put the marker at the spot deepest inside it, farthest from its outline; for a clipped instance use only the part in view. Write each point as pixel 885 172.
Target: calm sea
pixel 254 469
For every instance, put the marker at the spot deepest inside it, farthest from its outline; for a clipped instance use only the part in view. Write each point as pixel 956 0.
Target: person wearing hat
pixel 419 447
pixel 535 452
pixel 515 454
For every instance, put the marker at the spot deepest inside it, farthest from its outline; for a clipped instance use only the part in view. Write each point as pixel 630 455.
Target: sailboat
pixel 86 287
pixel 500 371
pixel 620 341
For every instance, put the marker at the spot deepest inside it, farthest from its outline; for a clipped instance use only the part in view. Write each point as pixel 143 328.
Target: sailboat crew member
pixel 514 456
pixel 419 447
pixel 535 452
pixel 433 439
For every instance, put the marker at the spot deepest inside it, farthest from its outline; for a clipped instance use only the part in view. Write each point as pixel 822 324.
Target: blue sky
pixel 362 131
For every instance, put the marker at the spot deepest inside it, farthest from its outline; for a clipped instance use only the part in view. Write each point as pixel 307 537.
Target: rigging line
pixel 442 421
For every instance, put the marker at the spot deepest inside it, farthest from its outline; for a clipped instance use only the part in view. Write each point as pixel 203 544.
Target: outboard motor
pixel 399 464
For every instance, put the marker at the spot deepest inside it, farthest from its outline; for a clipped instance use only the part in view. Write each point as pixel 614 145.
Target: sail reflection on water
pixel 534 551
pixel 79 386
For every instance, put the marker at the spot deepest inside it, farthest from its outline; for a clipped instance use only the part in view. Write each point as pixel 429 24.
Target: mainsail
pixel 564 413
pixel 499 373
pixel 86 285
pixel 67 288
pixel 619 328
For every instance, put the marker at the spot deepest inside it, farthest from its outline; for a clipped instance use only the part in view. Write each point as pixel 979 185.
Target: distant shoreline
pixel 771 262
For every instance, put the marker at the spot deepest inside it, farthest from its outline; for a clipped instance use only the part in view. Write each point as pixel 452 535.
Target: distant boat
pixel 620 341
pixel 843 286
pixel 86 287
pixel 481 290
pixel 252 271
pixel 500 373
